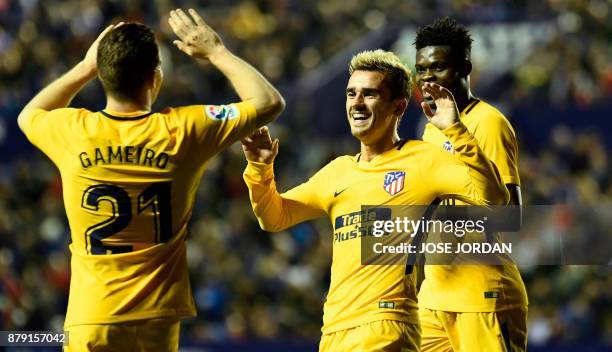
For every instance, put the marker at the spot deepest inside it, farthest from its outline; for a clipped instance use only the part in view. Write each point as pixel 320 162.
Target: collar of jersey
pixel 122 116
pixel 397 146
pixel 469 108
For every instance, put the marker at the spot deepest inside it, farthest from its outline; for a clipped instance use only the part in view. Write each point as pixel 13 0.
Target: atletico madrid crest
pixel 394 182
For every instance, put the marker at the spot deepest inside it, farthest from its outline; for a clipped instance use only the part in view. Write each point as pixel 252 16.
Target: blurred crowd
pixel 286 39
pixel 249 284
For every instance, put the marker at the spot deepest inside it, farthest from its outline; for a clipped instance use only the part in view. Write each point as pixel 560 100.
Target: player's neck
pixel 464 98
pixel 371 150
pixel 115 105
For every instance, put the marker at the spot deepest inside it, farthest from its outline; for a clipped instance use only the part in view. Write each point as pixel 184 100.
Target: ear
pixel 465 68
pixel 400 107
pixel 158 78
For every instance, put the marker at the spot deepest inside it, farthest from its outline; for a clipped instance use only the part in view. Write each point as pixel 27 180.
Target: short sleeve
pixel 214 127
pixel 44 129
pixel 498 142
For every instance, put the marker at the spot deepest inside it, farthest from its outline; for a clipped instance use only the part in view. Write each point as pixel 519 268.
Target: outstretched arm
pixel 60 92
pixel 200 41
pixel 274 211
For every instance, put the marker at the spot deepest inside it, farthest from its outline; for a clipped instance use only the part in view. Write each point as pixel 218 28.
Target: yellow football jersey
pixel 129 185
pixel 358 293
pixel 477 288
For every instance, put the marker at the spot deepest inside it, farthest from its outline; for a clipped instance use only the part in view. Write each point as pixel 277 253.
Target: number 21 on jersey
pixel 156 197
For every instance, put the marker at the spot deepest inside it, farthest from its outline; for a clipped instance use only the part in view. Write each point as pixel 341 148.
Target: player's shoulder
pixel 67 111
pixel 71 110
pixel 213 113
pixel 181 116
pixel 338 163
pixel 423 150
pixel 488 116
pixel 45 128
pixel 176 111
pixel 417 145
pixel 487 113
pixel 61 117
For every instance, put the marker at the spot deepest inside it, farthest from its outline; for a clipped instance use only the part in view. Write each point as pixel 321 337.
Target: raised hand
pixel 259 146
pixel 446 113
pixel 197 39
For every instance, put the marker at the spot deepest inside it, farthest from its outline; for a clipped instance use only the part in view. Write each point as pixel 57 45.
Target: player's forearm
pixel 60 92
pixel 273 211
pixel 250 85
pixel 264 197
pixel 483 175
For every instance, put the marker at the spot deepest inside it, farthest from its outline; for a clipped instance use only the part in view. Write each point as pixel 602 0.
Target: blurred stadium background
pixel 546 64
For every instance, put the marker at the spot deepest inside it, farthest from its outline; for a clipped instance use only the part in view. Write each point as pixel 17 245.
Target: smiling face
pixel 371 112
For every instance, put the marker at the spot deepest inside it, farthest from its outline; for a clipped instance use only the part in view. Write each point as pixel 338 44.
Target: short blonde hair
pixel 397 74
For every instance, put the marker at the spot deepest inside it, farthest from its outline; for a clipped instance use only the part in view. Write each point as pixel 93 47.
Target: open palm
pixel 259 146
pixel 197 39
pixel 446 113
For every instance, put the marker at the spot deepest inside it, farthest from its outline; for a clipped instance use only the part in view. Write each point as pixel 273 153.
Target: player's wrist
pixel 453 128
pixel 264 161
pixel 86 70
pixel 260 164
pixel 457 134
pixel 258 172
pixel 444 125
pixel 219 55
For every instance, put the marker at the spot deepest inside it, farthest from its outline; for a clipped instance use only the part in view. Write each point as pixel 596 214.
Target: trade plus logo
pixel 358 224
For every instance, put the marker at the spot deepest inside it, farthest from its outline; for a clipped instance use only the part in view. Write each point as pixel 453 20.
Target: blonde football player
pixel 373 307
pixel 469 307
pixel 130 176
